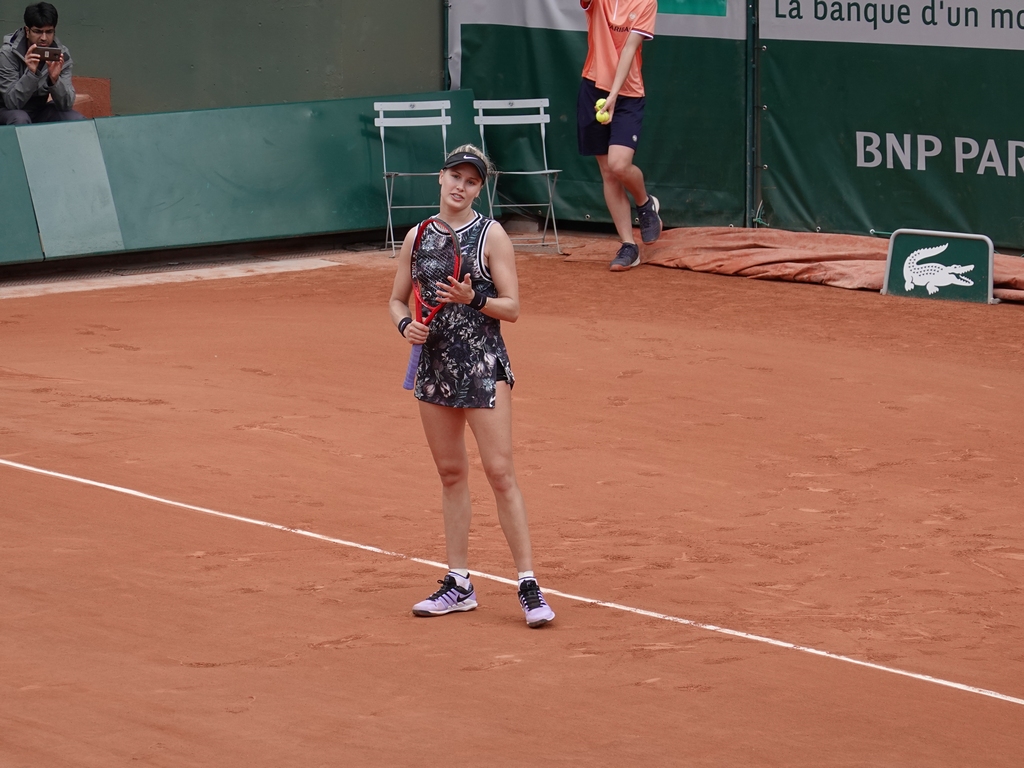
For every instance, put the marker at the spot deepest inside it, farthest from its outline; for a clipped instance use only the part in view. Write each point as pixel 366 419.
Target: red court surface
pixel 832 469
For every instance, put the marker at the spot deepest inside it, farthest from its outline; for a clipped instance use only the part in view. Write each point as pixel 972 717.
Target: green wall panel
pixel 19 238
pixel 257 173
pixel 70 191
pixel 819 95
pixel 693 147
pixel 164 55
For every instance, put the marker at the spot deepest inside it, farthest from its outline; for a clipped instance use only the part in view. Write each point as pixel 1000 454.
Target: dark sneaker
pixel 650 221
pixel 448 599
pixel 537 611
pixel 627 258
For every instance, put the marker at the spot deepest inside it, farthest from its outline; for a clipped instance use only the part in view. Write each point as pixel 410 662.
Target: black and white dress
pixel 464 356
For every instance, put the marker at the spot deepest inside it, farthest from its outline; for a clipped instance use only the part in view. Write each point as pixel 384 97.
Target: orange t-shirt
pixel 609 25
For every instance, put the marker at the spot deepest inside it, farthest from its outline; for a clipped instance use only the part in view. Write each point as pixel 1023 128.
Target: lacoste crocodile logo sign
pixel 939 262
pixel 931 275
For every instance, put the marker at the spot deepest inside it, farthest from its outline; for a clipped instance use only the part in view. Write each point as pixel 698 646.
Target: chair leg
pixel 492 191
pixel 389 184
pixel 554 227
pixel 552 181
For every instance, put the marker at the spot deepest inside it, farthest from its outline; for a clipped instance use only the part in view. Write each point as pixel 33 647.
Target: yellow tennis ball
pixel 599 105
pixel 603 117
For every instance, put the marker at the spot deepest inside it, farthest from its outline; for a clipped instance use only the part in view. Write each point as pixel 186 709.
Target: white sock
pixel 524 575
pixel 461 576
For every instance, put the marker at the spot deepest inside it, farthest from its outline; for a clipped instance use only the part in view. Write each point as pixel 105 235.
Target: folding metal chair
pixel 521 112
pixel 441 119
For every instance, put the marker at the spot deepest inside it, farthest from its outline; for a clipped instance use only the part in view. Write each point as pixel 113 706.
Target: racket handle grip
pixel 414 363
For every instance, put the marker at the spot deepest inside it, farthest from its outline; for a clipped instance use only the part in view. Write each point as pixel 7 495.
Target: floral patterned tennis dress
pixel 465 355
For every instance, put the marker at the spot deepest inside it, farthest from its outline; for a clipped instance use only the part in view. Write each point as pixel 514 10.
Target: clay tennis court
pixel 835 470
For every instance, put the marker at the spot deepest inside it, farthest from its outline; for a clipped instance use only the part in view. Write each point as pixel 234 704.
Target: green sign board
pixel 939 265
pixel 693 7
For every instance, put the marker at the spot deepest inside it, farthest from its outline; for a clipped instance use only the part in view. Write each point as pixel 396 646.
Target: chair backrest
pixel 441 118
pixel 514 112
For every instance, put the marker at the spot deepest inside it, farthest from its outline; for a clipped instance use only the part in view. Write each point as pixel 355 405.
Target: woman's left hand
pixel 455 292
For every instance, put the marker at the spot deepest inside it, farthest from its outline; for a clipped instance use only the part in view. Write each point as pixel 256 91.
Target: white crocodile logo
pixel 933 276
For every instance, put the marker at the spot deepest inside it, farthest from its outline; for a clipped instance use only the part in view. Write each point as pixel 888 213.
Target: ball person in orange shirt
pixel 616 31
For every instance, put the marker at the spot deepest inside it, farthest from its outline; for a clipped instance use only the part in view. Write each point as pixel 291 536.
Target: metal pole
pixel 446 72
pixel 753 116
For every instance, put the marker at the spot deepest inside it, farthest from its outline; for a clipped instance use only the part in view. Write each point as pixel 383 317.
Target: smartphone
pixel 49 54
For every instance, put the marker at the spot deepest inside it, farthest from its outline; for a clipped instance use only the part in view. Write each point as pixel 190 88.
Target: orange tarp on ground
pixel 844 261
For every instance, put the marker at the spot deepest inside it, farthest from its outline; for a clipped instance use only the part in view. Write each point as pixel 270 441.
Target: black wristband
pixel 478 301
pixel 403 324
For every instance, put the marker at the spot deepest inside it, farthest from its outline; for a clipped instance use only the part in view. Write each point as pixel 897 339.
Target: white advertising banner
pixel 985 24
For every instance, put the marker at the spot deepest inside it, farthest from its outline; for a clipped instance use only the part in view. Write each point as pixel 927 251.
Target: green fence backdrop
pixel 888 115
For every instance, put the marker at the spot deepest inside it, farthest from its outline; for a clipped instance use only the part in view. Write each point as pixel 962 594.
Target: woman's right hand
pixel 416 333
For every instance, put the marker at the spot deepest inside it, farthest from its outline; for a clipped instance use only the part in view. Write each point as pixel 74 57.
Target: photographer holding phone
pixel 35 72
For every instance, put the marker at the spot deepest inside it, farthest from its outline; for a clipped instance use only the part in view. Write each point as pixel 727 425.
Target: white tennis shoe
pixel 450 598
pixel 537 611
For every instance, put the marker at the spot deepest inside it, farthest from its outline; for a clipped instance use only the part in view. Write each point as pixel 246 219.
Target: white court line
pixel 565 595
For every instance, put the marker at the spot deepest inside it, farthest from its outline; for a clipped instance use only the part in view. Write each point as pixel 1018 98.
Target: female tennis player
pixel 464 378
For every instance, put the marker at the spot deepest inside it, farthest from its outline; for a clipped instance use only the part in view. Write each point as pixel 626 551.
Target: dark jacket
pixel 21 89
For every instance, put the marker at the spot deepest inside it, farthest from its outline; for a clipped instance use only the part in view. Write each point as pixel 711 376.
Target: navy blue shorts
pixel 624 129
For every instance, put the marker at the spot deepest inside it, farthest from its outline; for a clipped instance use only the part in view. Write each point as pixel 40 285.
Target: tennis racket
pixel 435 258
